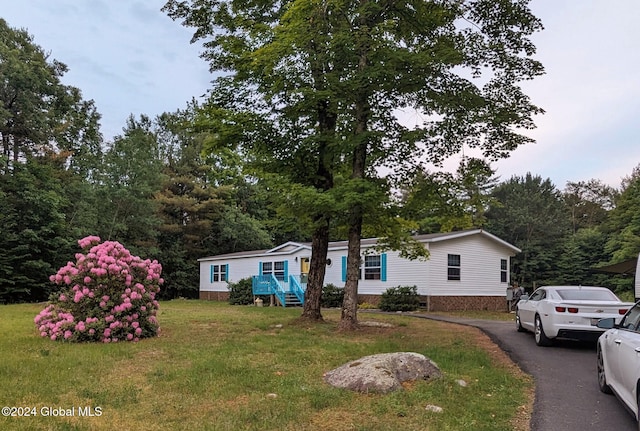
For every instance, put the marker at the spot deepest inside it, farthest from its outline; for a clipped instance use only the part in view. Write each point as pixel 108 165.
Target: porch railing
pixel 270 285
pixel 297 287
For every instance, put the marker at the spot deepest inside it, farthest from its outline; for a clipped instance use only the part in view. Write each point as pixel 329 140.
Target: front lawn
pixel 221 367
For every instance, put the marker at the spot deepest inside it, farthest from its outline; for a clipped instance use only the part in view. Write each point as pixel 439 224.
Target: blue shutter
pixel 211 275
pixel 344 268
pixel 286 270
pixel 259 268
pixel 383 269
pixel 226 271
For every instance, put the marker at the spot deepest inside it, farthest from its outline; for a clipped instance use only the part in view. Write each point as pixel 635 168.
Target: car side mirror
pixel 606 323
pixel 524 297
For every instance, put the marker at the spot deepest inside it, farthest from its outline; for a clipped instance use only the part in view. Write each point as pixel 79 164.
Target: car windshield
pixel 587 295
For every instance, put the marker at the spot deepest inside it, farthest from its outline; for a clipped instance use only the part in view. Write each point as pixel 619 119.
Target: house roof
pixel 292 247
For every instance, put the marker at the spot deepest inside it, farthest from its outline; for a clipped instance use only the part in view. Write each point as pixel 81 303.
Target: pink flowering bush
pixel 108 295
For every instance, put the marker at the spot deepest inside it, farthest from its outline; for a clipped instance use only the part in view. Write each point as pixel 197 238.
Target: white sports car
pixel 570 312
pixel 618 359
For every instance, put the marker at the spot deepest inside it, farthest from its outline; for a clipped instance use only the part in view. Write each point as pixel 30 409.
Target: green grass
pixel 217 367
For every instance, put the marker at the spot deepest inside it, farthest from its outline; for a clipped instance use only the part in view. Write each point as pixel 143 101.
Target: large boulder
pixel 383 373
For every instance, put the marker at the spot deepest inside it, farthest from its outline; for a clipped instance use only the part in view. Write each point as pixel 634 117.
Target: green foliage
pixel 38 113
pixel 34 233
pixel 130 177
pixel 315 87
pixel 623 222
pixel 588 202
pixel 400 298
pixel 241 293
pixel 332 296
pixel 580 253
pixel 531 215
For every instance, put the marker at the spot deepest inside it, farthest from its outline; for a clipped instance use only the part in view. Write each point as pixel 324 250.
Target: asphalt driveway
pixel 567 394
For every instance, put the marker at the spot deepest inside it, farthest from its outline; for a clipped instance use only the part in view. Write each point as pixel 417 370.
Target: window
pixel 587 295
pixel 278 269
pixel 218 273
pixel 503 270
pixel 631 320
pixel 372 267
pixel 538 295
pixel 453 267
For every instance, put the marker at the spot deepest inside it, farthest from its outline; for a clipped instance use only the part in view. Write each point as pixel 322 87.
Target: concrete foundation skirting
pixel 214 296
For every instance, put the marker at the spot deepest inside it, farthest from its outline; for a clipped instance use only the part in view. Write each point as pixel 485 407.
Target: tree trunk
pixel 320 238
pixel 317 269
pixel 349 317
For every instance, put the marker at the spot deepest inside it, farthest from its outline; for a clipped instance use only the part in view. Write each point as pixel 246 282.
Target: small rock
pixel 462 383
pixel 278 326
pixel 273 396
pixel 432 408
pixel 371 323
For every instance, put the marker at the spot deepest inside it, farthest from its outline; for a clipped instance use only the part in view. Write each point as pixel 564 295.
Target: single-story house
pixel 466 270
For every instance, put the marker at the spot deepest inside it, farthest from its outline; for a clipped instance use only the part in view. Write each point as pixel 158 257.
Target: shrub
pixel 400 298
pixel 241 292
pixel 332 296
pixel 107 295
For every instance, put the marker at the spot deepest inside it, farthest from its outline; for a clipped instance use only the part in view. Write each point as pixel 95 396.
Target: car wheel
pixel 519 323
pixel 540 336
pixel 602 378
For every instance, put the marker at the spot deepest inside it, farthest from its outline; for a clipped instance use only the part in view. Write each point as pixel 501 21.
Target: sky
pixel 130 58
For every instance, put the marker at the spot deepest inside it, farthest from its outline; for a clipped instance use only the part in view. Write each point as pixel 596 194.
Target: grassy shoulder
pixel 221 367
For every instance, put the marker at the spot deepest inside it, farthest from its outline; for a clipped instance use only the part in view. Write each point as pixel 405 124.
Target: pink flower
pixel 87 280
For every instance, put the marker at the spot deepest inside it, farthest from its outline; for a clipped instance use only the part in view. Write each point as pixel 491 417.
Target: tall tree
pixel 328 78
pixel 443 202
pixel 463 77
pixel 131 175
pixel 623 223
pixel 588 202
pixel 277 106
pixel 34 235
pixel 37 112
pixel 430 200
pixel 530 214
pixel 581 252
pixel 50 145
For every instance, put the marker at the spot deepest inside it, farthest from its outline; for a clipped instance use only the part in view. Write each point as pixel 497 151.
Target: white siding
pixel 400 272
pixel 480 258
pixel 479 267
pixel 245 267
